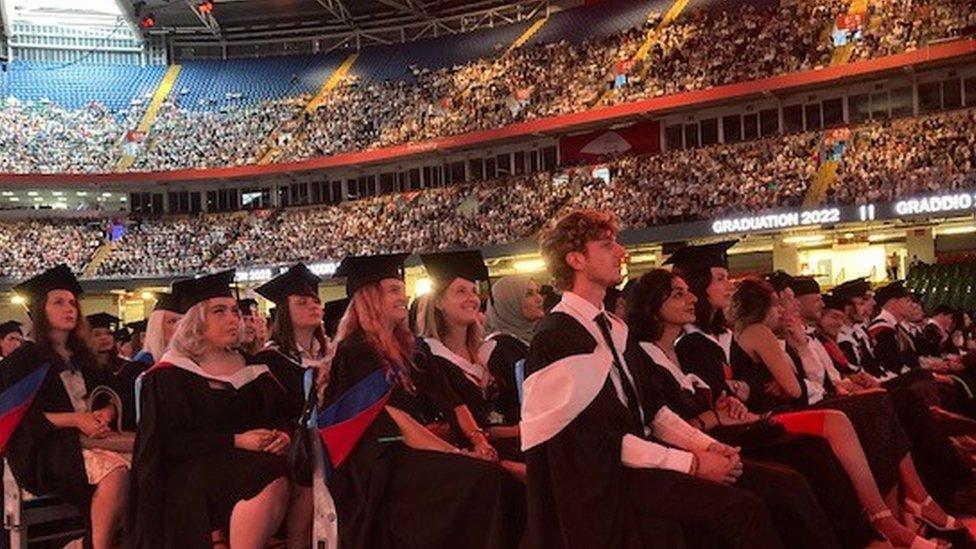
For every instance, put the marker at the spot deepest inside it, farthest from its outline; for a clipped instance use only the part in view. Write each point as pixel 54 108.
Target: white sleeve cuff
pixel 670 428
pixel 638 453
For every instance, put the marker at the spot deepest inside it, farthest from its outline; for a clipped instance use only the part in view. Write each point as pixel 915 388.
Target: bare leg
pixel 843 440
pixel 915 490
pixel 254 521
pixel 299 521
pixel 108 507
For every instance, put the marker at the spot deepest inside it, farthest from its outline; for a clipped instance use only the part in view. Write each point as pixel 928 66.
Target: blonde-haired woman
pixel 209 455
pixel 401 485
pixel 454 337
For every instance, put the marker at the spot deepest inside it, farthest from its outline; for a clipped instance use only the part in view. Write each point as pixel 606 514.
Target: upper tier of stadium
pixel 81 118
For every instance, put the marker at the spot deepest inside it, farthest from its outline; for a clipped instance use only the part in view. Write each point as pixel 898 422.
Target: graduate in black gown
pixel 513 311
pixel 120 374
pixel 658 307
pixel 298 340
pixel 160 327
pixel 704 347
pixel 863 430
pixel 401 485
pixel 45 452
pixel 209 461
pixel 453 335
pixel 595 476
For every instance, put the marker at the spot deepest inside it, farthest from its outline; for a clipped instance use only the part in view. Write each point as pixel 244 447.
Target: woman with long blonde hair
pixel 454 337
pixel 401 485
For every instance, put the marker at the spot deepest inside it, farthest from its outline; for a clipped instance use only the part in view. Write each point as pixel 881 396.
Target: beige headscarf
pixel 505 311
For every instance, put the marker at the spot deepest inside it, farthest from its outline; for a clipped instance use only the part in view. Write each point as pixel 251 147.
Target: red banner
pixel 638 138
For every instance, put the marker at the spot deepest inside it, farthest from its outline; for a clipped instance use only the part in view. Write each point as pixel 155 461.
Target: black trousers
pixel 709 512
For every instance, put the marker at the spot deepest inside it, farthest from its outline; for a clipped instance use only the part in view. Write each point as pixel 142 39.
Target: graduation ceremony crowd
pixel 686 408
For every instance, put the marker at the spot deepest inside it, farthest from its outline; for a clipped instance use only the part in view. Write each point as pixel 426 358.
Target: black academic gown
pixel 391 496
pixel 484 405
pixel 701 356
pixel 801 522
pixel 507 351
pixel 187 474
pixel 121 376
pixel 582 496
pixel 289 372
pixel 46 460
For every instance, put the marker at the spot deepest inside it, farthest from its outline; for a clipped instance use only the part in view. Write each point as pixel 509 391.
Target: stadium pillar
pixel 785 257
pixel 920 242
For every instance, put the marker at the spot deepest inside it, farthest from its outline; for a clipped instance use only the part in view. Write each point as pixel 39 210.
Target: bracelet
pixel 693 471
pixel 717 420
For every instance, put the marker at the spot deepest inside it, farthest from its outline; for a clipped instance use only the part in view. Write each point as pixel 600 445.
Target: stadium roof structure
pixel 337 23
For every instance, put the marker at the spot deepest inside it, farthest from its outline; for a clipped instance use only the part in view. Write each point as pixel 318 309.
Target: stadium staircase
pixel 162 92
pixel 99 257
pixel 527 35
pixel 842 54
pixel 337 76
pixel 640 57
pixel 824 179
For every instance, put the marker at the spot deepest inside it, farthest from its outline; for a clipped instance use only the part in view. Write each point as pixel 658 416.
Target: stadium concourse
pixel 490 274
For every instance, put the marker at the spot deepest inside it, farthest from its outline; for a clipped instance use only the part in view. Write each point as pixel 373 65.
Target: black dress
pixel 390 496
pixel 763 443
pixel 582 496
pixel 44 459
pixel 187 474
pixel 505 353
pixel 872 416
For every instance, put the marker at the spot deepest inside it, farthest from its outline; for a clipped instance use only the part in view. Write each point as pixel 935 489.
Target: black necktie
pixel 632 404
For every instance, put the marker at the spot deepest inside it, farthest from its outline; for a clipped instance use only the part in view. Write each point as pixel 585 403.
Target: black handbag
pixel 301 451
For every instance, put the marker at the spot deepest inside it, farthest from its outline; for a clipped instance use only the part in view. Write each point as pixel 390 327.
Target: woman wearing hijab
pixel 512 314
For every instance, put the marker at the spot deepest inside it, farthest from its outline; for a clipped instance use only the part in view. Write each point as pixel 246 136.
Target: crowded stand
pixel 28 247
pixel 710 46
pixel 908 157
pixel 736 323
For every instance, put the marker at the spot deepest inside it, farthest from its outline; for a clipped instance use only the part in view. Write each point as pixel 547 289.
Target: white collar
pixel 236 380
pixel 476 373
pixel 688 382
pixel 886 317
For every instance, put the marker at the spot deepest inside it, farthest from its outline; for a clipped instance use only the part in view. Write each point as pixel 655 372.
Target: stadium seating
pixel 75 86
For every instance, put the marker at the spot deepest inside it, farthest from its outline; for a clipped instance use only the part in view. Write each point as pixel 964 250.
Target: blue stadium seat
pixel 75 86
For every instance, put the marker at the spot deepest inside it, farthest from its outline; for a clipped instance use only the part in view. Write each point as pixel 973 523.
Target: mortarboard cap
pixel 851 289
pixel 168 302
pixel 332 313
pixel 446 266
pixel 804 285
pixel 103 320
pixel 835 302
pixel 894 290
pixel 780 280
pixel 298 280
pixel 193 291
pixel 9 327
pixel 367 269
pixel 122 335
pixel 138 326
pixel 698 257
pixel 55 278
pixel 247 306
